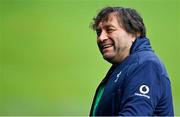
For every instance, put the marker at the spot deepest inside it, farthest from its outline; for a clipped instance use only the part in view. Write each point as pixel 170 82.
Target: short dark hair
pixel 128 18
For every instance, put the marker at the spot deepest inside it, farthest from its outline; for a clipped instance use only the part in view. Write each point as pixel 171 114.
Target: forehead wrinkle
pixel 104 25
pixel 108 18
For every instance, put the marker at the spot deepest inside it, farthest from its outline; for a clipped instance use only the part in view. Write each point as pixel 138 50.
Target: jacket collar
pixel 140 44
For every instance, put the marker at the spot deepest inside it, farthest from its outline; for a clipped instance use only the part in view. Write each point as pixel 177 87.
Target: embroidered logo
pixel 117 77
pixel 144 90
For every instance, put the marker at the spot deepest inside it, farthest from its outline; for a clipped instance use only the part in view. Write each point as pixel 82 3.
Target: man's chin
pixel 108 57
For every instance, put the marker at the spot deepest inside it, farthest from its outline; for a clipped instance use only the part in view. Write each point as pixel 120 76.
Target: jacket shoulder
pixel 148 58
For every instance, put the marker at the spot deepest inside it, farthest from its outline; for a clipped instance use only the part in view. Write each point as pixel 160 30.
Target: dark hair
pixel 128 19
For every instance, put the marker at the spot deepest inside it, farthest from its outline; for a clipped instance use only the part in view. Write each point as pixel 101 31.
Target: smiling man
pixel 137 84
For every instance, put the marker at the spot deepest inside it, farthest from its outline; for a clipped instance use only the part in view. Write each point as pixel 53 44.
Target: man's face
pixel 113 41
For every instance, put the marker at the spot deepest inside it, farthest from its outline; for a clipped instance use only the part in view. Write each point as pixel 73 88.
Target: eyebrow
pixel 106 26
pixel 109 25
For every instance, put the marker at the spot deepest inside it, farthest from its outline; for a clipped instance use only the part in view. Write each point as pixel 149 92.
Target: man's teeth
pixel 106 46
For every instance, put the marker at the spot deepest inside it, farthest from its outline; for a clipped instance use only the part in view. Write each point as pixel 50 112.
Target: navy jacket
pixel 139 86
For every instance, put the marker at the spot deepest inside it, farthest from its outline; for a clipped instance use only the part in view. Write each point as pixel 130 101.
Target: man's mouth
pixel 106 47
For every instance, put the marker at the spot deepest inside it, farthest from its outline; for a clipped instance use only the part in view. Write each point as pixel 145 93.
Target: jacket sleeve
pixel 141 91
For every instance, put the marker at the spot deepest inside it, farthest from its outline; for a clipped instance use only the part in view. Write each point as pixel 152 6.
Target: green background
pixel 49 61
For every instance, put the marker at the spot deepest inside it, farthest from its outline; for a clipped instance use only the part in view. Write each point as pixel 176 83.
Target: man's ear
pixel 133 38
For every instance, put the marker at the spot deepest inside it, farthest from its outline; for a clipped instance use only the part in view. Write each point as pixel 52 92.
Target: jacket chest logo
pixel 117 77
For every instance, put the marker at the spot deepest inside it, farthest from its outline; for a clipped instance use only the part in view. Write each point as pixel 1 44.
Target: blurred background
pixel 49 61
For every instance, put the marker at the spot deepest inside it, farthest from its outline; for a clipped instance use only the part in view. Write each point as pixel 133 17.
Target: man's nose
pixel 103 36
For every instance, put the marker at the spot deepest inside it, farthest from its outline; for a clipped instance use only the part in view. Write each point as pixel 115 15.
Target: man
pixel 137 84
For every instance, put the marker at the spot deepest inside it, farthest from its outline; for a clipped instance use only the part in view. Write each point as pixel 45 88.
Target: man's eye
pixel 110 30
pixel 98 33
